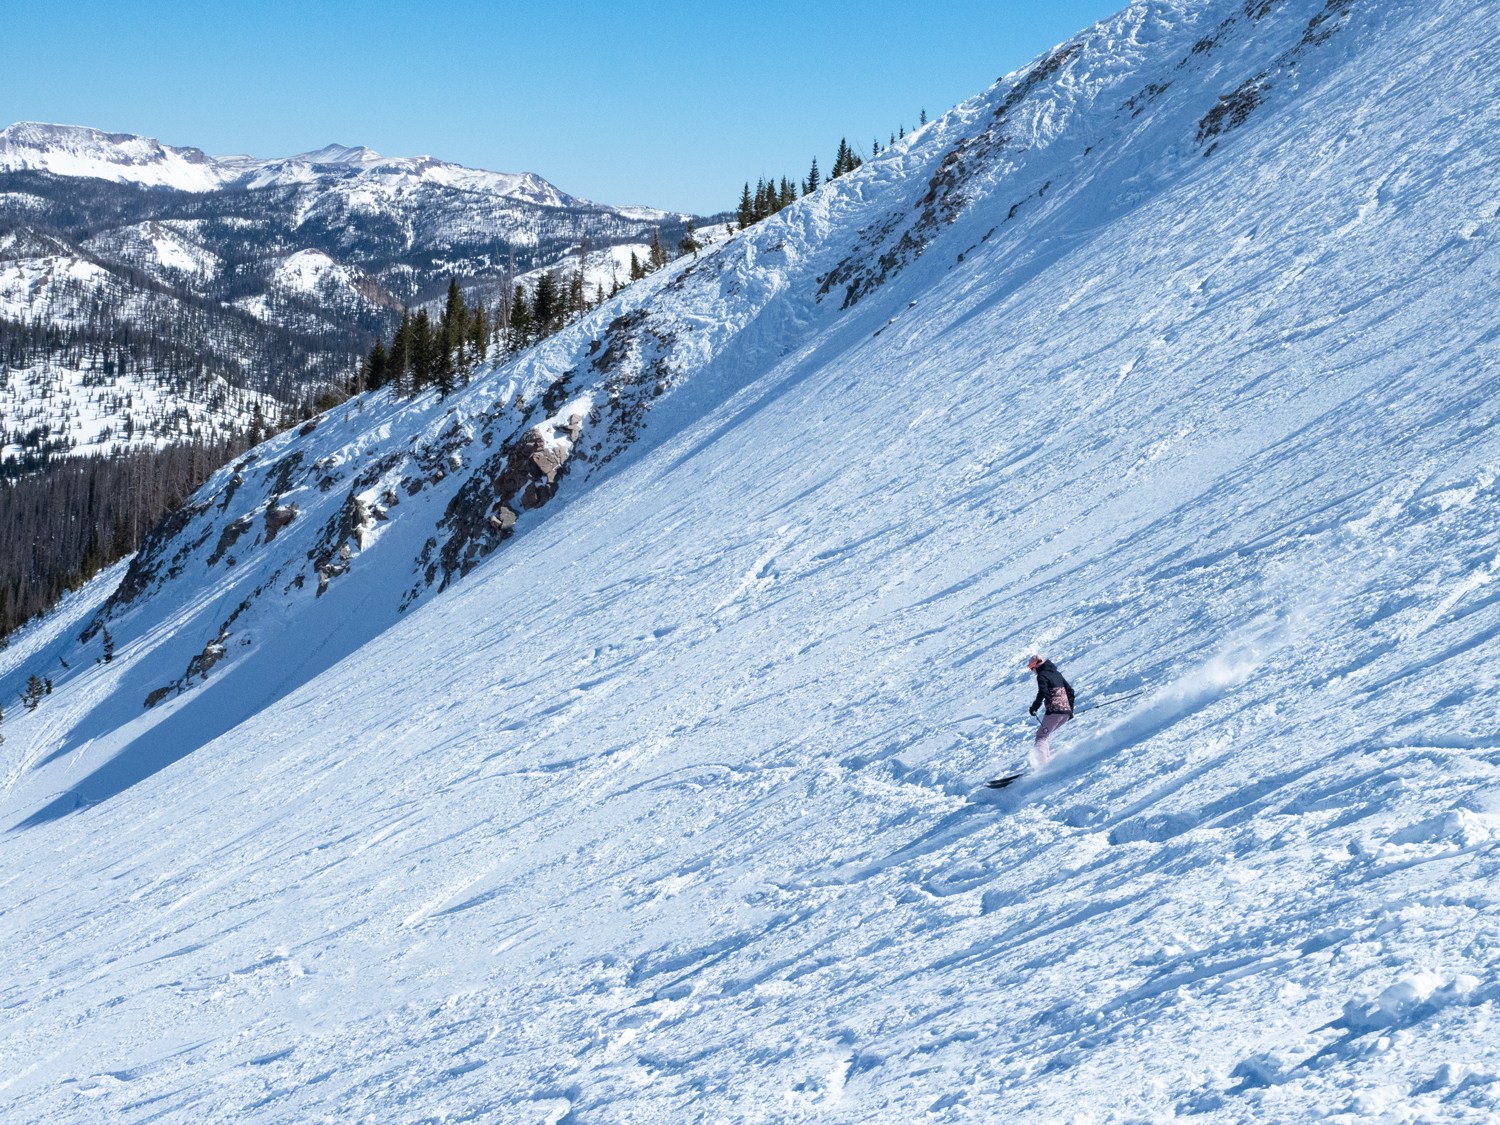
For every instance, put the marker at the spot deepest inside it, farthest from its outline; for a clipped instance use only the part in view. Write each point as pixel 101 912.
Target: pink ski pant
pixel 1042 753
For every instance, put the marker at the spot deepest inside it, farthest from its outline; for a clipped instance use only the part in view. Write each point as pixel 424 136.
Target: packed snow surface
pixel 1172 357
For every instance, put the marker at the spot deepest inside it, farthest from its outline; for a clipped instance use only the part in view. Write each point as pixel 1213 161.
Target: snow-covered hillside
pixel 275 275
pixel 601 743
pixel 100 409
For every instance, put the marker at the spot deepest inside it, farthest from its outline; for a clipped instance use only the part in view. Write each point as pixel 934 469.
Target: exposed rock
pixel 279 516
pixel 212 653
pixel 229 537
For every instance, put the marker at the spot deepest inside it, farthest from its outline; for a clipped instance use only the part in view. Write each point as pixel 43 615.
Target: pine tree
pixel 449 340
pixel 844 161
pixel 746 214
pixel 787 195
pixel 545 305
pixel 689 243
pixel 814 178
pixel 479 334
pixel 659 256
pixel 454 310
pixel 375 374
pixel 577 301
pixel 520 320
pixel 638 271
pixel 423 347
pixel 398 358
pixel 922 118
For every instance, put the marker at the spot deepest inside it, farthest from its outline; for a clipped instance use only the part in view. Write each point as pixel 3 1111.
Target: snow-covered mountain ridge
pixel 272 275
pixel 1171 355
pixel 79 151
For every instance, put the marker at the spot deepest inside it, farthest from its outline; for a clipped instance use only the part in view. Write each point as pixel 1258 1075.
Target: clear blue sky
pixel 667 103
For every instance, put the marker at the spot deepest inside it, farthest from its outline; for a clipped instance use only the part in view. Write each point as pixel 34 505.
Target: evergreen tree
pixel 659 255
pixel 690 243
pixel 34 692
pixel 845 161
pixel 520 320
pixel 577 301
pixel 922 118
pixel 787 194
pixel 479 335
pixel 638 271
pixel 454 310
pixel 545 305
pixel 449 340
pixel 746 212
pixel 375 373
pixel 814 178
pixel 423 346
pixel 398 361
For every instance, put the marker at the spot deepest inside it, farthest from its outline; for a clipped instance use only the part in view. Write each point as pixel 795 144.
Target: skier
pixel 1057 695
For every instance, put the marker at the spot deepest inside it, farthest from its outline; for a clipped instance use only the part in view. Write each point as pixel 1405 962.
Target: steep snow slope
pixel 1173 356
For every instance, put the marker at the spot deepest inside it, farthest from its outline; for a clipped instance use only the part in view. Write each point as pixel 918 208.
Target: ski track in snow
pixel 668 811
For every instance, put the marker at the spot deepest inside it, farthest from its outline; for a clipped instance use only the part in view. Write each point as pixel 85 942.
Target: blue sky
pixel 667 103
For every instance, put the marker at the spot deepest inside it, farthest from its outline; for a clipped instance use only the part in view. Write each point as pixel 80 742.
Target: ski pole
pixel 1111 702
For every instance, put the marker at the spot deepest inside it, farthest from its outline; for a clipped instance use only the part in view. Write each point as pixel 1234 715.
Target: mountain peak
pixel 78 150
pixel 336 153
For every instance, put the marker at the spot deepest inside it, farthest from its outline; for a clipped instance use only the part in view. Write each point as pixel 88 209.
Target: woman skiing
pixel 1056 694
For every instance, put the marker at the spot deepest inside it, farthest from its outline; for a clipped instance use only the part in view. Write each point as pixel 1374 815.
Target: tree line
pixel 443 352
pixel 61 526
pixel 770 196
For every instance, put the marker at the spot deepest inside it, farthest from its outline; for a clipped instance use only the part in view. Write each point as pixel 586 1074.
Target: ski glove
pixel 1033 709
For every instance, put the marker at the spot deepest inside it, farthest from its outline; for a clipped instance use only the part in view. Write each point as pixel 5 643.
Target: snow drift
pixel 599 743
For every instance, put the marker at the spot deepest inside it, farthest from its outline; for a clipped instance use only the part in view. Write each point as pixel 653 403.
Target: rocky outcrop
pixel 279 516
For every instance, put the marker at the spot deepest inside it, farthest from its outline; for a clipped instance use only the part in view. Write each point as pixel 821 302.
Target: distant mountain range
pixel 270 276
pixel 84 153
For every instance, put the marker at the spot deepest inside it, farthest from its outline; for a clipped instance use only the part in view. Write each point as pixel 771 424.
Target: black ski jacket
pixel 1052 690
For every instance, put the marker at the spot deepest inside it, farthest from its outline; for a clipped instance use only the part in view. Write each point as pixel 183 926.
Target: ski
pixel 1002 782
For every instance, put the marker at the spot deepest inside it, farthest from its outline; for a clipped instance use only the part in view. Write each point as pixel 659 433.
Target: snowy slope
pixel 75 150
pixel 1173 356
